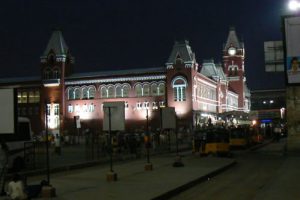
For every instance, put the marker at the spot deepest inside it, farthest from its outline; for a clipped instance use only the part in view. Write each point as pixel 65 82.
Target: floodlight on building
pixel 294 5
pixel 271 101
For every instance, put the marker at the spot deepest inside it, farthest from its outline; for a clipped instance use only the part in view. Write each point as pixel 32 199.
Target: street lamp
pixel 294 5
pixel 148 166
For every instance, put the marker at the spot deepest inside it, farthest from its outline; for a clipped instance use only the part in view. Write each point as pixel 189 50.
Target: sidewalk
pixel 135 183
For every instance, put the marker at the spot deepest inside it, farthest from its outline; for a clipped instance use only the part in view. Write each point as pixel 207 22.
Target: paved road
pixel 252 178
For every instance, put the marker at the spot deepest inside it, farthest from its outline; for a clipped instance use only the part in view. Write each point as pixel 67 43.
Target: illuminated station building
pixel 197 92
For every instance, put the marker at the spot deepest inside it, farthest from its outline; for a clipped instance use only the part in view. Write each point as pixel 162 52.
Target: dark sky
pixel 122 34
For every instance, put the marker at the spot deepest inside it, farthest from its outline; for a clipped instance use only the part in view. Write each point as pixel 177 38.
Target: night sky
pixel 124 34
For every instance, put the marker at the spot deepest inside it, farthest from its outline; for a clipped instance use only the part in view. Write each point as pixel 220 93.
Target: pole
pixel 148 137
pixel 110 142
pixel 47 144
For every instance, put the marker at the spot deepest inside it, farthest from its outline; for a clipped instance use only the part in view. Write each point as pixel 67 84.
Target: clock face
pixel 232 51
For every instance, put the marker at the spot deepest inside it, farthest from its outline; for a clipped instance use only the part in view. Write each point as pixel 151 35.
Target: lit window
pixel 154 105
pixel 91 92
pixel 56 109
pixel 138 90
pixel 31 98
pixel 85 94
pixel 146 105
pixel 77 93
pixel 104 93
pixel 154 89
pixel 71 94
pixel 179 85
pixel 19 97
pixel 37 96
pixel 161 89
pixel 70 108
pixel 125 90
pixel 119 91
pixel 139 105
pixel 84 108
pixel 77 108
pixel 161 104
pixel 110 92
pixel 146 90
pixel 91 107
pixel 24 97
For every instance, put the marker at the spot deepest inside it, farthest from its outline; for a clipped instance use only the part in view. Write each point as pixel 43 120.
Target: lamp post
pixel 148 166
pixel 178 162
pixel 47 142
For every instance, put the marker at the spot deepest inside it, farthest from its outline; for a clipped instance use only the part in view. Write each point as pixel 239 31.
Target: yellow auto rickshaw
pixel 215 141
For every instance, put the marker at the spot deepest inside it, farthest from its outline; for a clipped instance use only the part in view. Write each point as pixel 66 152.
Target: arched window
pixel 47 73
pixel 91 92
pixel 126 89
pixel 235 71
pixel 154 89
pixel 56 73
pixel 111 92
pixel 179 85
pixel 51 59
pixel 77 93
pixel 138 90
pixel 85 93
pixel 161 89
pixel 104 93
pixel 146 90
pixel 119 91
pixel 71 94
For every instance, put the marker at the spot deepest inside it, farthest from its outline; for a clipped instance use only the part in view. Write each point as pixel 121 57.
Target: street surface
pixel 249 179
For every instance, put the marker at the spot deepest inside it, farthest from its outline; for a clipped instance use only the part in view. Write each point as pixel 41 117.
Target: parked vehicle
pixel 215 141
pixel 239 137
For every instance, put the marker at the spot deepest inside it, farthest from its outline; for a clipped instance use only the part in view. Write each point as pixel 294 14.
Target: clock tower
pixel 233 63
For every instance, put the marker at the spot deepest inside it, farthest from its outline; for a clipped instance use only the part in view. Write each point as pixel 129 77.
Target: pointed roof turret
pixel 183 51
pixel 233 40
pixel 56 44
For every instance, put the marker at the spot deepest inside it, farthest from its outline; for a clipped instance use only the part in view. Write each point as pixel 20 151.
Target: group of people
pixel 16 188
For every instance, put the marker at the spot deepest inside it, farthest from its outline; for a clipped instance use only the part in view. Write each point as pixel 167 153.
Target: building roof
pixel 233 40
pixel 209 69
pixel 117 73
pixel 57 44
pixel 19 79
pixel 221 72
pixel 183 51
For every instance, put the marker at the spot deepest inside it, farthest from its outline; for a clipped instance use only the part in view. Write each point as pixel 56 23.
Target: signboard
pixel 77 121
pixel 168 118
pixel 291 26
pixel 8 117
pixel 117 116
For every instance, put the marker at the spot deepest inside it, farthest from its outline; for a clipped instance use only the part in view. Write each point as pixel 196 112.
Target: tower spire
pixel 56 44
pixel 233 40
